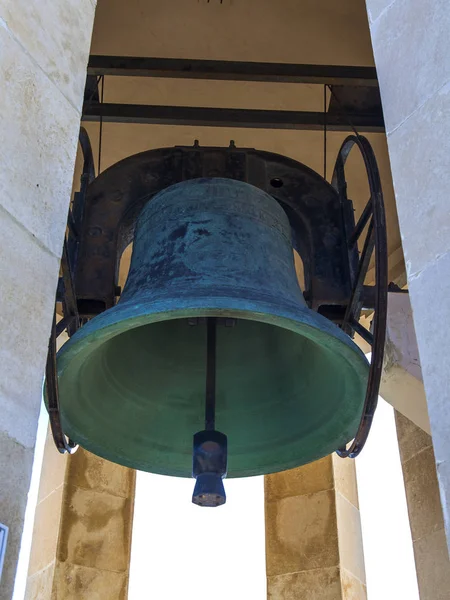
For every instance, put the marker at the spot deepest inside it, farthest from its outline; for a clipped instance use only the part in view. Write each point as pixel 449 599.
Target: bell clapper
pixel 210 446
pixel 210 396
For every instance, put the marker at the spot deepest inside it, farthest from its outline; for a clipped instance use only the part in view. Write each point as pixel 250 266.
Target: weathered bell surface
pixel 290 385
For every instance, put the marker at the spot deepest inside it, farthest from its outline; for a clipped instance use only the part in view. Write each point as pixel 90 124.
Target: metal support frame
pixel 184 68
pixel 117 196
pixel 359 84
pixel 197 116
pixel 323 227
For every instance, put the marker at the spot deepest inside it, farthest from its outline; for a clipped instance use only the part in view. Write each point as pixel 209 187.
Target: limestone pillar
pixel 401 382
pixel 313 533
pixel 425 511
pixel 82 534
pixel 47 518
pixel 410 44
pixel 44 50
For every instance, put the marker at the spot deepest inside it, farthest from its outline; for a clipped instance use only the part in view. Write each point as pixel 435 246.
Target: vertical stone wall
pixel 313 533
pixel 402 381
pixel 82 530
pixel 94 545
pixel 425 511
pixel 44 49
pixel 47 520
pixel 411 49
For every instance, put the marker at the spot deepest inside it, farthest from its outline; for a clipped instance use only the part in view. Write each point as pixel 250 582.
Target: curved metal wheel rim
pixel 72 323
pixel 381 280
pixel 62 443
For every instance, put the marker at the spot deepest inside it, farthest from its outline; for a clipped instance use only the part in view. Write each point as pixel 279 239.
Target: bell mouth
pixel 290 385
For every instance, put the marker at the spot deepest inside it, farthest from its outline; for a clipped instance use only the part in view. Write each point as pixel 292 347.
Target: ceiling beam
pixel 230 117
pixel 180 68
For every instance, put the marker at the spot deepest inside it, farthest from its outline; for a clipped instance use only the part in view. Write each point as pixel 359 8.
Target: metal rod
pixel 325 132
pixel 100 132
pixel 362 222
pixel 362 331
pixel 69 302
pixel 61 325
pixel 228 117
pixel 180 68
pixel 210 397
pixel 364 261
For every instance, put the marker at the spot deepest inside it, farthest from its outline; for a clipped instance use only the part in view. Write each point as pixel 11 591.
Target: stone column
pixel 402 383
pixel 82 533
pixel 44 50
pixel 411 49
pixel 313 533
pixel 425 511
pixel 47 519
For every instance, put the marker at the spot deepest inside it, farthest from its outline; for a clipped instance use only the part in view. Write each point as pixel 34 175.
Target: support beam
pixel 230 117
pixel 180 68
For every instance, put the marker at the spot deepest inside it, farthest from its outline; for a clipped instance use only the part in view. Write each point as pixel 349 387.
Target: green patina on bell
pixel 290 385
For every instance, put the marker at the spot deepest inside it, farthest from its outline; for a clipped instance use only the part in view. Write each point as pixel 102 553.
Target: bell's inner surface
pixel 275 393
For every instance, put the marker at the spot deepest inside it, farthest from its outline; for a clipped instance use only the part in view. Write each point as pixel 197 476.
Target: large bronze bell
pixel 289 384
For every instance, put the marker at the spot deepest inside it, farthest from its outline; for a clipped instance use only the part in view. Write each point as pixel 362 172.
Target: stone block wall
pixel 47 521
pixel 411 49
pixel 313 533
pixel 44 49
pixel 425 511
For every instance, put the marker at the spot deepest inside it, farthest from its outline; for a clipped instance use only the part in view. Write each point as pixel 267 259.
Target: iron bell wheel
pixel 290 385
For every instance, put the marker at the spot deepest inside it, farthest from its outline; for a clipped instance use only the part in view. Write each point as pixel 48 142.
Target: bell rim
pixel 264 311
pixel 129 315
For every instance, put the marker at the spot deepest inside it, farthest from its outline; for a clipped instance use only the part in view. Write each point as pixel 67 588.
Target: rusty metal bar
pixel 181 68
pixel 228 117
